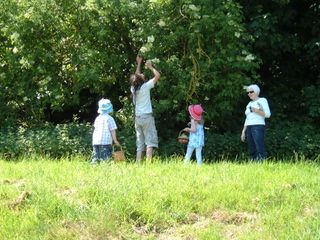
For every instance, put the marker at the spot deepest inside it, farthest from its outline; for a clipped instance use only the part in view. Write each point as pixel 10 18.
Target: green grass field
pixel 70 199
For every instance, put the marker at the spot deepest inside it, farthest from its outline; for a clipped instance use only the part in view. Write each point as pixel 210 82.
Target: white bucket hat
pixel 253 87
pixel 105 106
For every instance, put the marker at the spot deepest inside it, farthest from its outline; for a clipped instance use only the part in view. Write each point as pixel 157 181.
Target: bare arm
pixel 243 133
pixel 114 137
pixel 156 74
pixel 139 61
pixel 193 127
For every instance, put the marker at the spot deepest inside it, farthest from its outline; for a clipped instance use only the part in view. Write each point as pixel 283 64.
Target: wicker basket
pixel 118 155
pixel 183 137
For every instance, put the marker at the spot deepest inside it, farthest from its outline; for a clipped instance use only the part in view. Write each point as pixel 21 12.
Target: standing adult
pixel 254 126
pixel 146 133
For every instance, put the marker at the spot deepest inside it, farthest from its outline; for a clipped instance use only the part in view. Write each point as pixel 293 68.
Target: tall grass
pixel 70 199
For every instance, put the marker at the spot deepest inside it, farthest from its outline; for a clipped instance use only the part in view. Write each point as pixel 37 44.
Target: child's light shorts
pixel 146 132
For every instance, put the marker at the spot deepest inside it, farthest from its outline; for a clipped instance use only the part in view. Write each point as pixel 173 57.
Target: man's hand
pixel 156 74
pixel 149 64
pixel 139 59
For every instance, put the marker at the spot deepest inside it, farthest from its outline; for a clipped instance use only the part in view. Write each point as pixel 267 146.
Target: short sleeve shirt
pixel 103 125
pixel 142 99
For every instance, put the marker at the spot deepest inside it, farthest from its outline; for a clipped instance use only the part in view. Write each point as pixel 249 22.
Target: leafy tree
pixel 203 51
pixel 57 58
pixel 61 56
pixel 286 38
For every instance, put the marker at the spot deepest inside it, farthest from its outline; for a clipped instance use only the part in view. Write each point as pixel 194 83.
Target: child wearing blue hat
pixel 104 132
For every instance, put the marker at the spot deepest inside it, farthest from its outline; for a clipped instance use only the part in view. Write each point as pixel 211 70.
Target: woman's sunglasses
pixel 250 92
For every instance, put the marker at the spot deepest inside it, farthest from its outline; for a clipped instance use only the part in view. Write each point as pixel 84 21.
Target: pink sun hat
pixel 196 111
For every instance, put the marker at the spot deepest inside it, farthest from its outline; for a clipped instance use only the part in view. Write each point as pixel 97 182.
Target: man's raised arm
pixel 156 74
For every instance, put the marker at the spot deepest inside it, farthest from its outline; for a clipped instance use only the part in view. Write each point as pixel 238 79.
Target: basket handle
pixel 113 147
pixel 181 132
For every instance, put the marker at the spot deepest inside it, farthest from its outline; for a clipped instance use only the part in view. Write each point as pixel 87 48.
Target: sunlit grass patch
pixel 160 200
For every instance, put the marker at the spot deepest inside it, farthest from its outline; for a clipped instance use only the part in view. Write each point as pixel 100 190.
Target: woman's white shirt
pixel 255 118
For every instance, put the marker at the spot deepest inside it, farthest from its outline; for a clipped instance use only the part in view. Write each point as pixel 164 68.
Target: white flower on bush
pixel 133 4
pixel 143 49
pixel 155 60
pixel 193 7
pixel 150 39
pixel 25 63
pixel 147 47
pixel 15 37
pixel 249 58
pixel 173 58
pixel 161 23
pixel 237 34
pixel 15 50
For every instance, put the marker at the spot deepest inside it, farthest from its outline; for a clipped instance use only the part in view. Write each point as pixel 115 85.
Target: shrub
pixel 283 141
pixel 54 140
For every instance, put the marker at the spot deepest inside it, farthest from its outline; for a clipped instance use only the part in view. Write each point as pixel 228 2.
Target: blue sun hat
pixel 105 106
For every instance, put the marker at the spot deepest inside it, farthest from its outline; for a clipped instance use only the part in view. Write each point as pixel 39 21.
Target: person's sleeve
pixel 265 108
pixel 96 122
pixel 133 96
pixel 247 111
pixel 112 124
pixel 245 122
pixel 150 84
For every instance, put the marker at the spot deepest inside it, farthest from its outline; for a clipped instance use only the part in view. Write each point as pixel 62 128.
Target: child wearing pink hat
pixel 196 130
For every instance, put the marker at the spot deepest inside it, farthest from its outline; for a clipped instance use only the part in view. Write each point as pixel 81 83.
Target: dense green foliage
pixel 75 138
pixel 71 199
pixel 61 56
pixel 58 58
pixel 52 140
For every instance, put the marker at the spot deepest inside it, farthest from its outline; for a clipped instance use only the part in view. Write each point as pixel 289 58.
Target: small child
pixel 196 130
pixel 104 132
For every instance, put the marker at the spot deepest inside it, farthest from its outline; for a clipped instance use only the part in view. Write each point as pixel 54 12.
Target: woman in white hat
pixel 254 126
